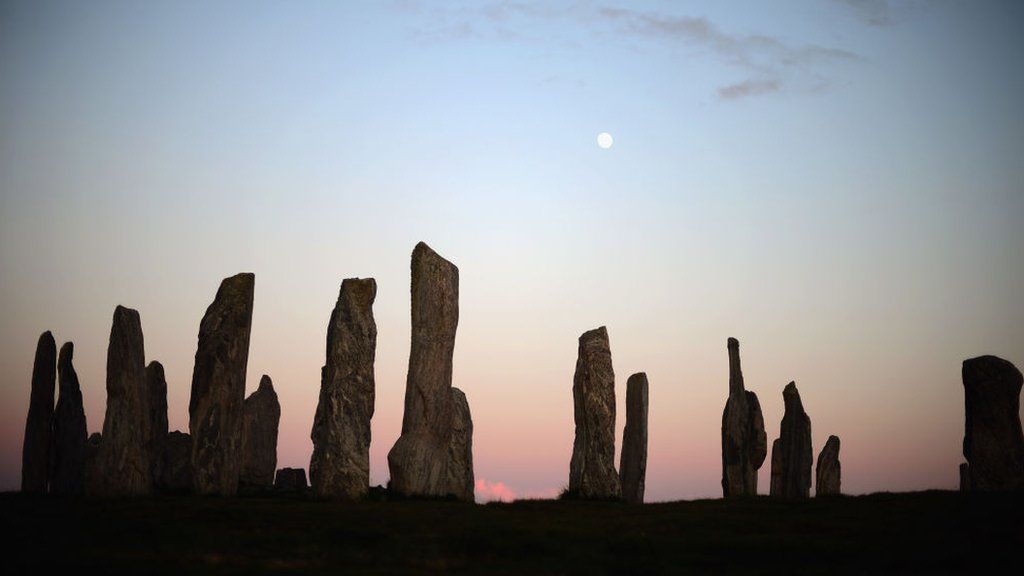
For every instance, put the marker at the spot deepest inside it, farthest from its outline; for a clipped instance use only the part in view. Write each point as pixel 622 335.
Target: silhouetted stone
pixel 419 459
pixel 993 441
pixel 93 477
pixel 744 442
pixel 156 396
pixel 965 477
pixel 259 440
pixel 216 411
pixel 592 468
pixel 791 453
pixel 828 469
pixel 122 457
pixel 340 465
pixel 460 449
pixel 70 432
pixel 290 481
pixel 633 460
pixel 176 464
pixel 35 453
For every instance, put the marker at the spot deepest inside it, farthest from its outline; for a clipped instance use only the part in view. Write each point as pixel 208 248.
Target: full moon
pixel 604 140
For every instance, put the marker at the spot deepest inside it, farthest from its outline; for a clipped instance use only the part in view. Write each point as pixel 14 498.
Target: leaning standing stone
pixel 124 464
pixel 340 466
pixel 419 459
pixel 460 450
pixel 592 468
pixel 633 460
pixel 70 433
pixel 791 453
pixel 259 440
pixel 993 441
pixel 35 453
pixel 216 412
pixel 828 470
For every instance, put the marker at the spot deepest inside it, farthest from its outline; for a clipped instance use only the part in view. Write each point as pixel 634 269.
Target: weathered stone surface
pixel 993 441
pixel 216 411
pixel 176 464
pixel 419 459
pixel 122 457
pixel 290 480
pixel 156 396
pixel 340 465
pixel 93 470
pixel 259 439
pixel 35 453
pixel 70 432
pixel 828 469
pixel 633 460
pixel 592 468
pixel 965 477
pixel 460 449
pixel 744 442
pixel 792 454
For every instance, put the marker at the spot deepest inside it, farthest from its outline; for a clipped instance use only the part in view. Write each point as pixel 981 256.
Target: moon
pixel 604 140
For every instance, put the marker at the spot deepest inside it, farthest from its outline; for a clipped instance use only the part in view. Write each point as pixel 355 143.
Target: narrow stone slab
pixel 156 396
pixel 828 469
pixel 633 460
pixel 744 442
pixel 792 454
pixel 460 450
pixel 993 441
pixel 70 432
pixel 259 439
pixel 35 452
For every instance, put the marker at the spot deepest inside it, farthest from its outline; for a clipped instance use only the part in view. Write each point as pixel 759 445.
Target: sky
pixel 837 184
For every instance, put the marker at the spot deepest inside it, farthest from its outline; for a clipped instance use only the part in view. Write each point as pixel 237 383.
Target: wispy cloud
pixel 490 491
pixel 766 63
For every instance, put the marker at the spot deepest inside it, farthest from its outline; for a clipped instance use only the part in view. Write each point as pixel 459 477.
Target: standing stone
pixel 419 459
pixel 156 396
pixel 460 450
pixel 592 468
pixel 216 411
pixel 35 453
pixel 259 439
pixel 965 477
pixel 828 469
pixel 744 442
pixel 791 453
pixel 176 464
pixel 340 466
pixel 123 461
pixel 993 441
pixel 290 481
pixel 94 475
pixel 70 433
pixel 633 460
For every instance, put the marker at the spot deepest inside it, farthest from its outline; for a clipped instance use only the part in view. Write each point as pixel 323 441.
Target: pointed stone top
pixel 791 397
pixel 155 365
pixel 266 385
pixel 123 311
pixel 67 353
pixel 238 285
pixel 47 337
pixel 833 440
pixel 422 252
pixel 732 342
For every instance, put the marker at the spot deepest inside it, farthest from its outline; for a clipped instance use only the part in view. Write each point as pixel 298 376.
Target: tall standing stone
pixel 419 459
pixel 791 453
pixel 340 465
pixel 216 411
pixel 122 458
pixel 35 453
pixel 259 438
pixel 156 396
pixel 993 441
pixel 70 432
pixel 176 466
pixel 744 442
pixel 592 468
pixel 460 449
pixel 633 460
pixel 828 469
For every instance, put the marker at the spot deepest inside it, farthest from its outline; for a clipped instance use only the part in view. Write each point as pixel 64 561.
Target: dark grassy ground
pixel 927 533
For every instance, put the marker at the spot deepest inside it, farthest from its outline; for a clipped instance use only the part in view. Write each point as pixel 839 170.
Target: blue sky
pixel 836 183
